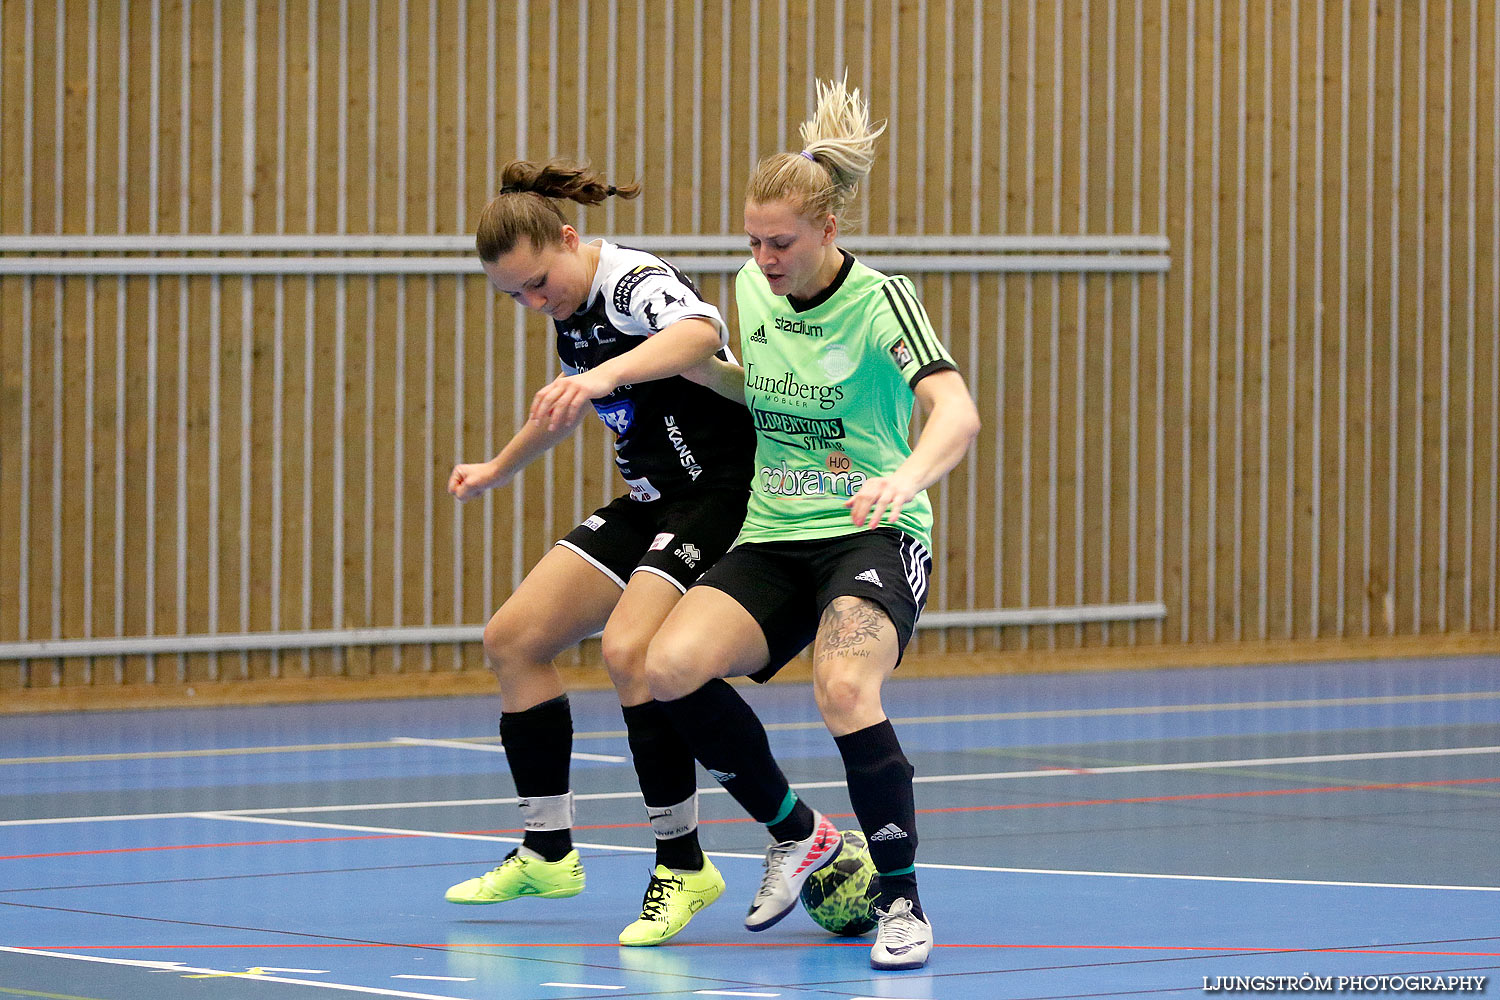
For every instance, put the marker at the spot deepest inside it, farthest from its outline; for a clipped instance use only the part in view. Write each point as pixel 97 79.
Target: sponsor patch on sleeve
pixel 901 354
pixel 626 286
pixel 661 541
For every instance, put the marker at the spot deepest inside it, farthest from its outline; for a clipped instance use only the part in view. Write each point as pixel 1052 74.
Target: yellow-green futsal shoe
pixel 523 873
pixel 671 900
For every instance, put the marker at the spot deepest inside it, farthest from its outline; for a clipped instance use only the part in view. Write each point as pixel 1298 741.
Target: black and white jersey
pixel 670 434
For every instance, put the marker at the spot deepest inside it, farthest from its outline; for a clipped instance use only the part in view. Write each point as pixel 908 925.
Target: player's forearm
pixel 951 427
pixel 724 377
pixel 679 347
pixel 529 443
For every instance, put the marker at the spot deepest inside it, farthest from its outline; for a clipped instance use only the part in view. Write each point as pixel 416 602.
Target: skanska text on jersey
pixel 679 445
pixel 788 387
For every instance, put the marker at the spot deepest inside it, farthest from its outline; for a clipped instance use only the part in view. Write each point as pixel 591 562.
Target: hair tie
pixel 809 156
pixel 510 189
pixel 611 190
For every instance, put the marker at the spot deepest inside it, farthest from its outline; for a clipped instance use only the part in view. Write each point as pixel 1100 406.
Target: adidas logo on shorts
pixel 870 576
pixel 889 832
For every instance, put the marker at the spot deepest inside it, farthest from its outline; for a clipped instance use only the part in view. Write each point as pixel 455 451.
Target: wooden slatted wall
pixel 1291 435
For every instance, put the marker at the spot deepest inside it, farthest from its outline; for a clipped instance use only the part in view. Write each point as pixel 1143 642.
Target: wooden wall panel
pixel 1291 435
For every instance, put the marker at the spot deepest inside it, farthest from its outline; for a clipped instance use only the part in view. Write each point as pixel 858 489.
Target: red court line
pixel 1142 800
pixel 194 847
pixel 1259 793
pixel 451 945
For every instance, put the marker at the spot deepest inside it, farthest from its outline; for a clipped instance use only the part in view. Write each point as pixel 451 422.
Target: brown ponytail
pixel 525 205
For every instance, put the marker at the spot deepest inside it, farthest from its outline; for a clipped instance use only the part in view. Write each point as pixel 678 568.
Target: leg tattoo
pixel 847 626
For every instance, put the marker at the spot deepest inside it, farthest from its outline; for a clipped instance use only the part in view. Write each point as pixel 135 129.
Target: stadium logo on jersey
pixel 627 284
pixel 689 554
pixel 901 354
pixel 618 416
pixel 759 336
pixel 789 387
pixel 798 326
pixel 785 481
pixel 814 433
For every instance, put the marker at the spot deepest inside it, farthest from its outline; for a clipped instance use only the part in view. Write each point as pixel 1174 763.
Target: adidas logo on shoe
pixel 888 832
pixel 870 576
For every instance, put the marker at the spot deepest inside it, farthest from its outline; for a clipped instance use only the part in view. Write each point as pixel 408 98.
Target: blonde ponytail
pixel 838 152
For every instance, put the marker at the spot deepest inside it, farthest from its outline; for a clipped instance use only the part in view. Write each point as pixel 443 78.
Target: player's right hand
pixel 469 480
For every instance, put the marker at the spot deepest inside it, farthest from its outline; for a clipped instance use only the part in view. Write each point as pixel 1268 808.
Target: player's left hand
pixel 880 500
pixel 559 403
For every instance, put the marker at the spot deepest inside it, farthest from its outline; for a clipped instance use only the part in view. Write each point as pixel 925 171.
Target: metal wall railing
pixel 291 258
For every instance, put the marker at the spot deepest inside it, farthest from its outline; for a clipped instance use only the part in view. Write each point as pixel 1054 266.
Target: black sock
pixel 539 746
pixel 798 824
pixel 880 789
pixel 668 776
pixel 889 888
pixel 730 742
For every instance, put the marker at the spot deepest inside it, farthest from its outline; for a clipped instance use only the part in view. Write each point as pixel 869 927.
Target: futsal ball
pixel 838 896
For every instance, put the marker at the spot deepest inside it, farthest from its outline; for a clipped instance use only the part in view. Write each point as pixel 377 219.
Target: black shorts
pixel 786 585
pixel 676 538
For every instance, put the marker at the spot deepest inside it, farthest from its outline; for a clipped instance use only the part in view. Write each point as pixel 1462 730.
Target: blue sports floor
pixel 1134 834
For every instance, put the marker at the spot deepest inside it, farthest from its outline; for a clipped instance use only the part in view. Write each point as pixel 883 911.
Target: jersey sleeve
pixel 905 335
pixel 648 298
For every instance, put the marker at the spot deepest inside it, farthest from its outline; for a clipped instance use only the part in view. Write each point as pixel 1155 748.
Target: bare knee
pixel 848 697
pixel 514 643
pixel 674 666
pixel 625 658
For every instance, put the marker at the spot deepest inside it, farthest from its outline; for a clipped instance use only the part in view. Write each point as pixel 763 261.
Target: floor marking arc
pixel 1048 772
pixel 966 868
pixel 1003 807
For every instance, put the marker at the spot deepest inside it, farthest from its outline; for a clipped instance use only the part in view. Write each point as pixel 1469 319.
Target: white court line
pixel 1051 772
pixel 190 970
pixel 583 986
pixel 608 758
pixel 1199 765
pixel 477 742
pixel 436 834
pixel 939 867
pixel 439 979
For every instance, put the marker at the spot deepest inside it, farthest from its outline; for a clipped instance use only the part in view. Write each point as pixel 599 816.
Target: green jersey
pixel 829 387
